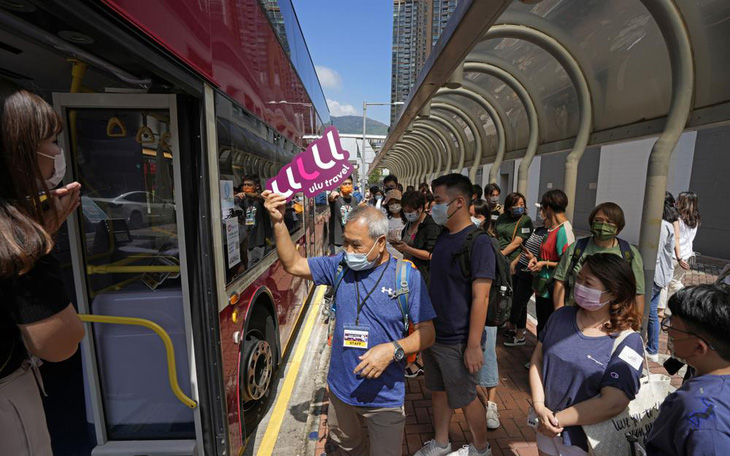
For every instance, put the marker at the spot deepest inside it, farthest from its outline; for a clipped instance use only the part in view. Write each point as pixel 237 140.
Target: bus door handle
pixel 171 369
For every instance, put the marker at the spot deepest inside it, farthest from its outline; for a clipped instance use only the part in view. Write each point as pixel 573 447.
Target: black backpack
pixel 499 303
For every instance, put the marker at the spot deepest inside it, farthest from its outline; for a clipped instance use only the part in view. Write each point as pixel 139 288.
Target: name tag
pixel 356 337
pixel 525 231
pixel 632 358
pixel 495 217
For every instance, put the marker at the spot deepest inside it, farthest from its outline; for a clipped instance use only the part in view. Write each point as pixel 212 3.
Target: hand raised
pixel 275 204
pixel 64 200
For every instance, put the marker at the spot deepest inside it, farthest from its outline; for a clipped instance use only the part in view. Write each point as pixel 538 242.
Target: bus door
pixel 128 261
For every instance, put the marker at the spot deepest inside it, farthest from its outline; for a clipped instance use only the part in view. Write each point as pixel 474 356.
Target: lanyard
pixel 361 304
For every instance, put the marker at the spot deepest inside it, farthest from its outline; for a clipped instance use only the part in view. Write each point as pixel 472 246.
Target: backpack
pixel 580 247
pixel 401 294
pixel 500 292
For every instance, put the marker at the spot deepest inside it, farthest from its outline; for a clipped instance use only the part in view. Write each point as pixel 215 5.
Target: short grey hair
pixel 375 220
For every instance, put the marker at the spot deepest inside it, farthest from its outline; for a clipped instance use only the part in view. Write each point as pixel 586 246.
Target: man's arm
pixel 374 361
pixel 293 263
pixel 473 355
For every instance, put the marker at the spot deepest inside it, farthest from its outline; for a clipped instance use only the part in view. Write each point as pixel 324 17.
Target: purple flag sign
pixel 322 166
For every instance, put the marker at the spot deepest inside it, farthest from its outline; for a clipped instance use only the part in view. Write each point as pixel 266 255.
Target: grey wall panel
pixel 552 176
pixel 711 181
pixel 506 178
pixel 585 195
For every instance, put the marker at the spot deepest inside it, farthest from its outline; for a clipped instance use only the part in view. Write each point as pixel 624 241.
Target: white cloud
pixel 329 78
pixel 337 109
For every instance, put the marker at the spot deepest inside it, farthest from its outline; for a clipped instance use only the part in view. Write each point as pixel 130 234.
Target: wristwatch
pixel 399 353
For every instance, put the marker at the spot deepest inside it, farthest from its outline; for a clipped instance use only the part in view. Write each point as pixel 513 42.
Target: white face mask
pixel 476 221
pixel 412 216
pixel 59 168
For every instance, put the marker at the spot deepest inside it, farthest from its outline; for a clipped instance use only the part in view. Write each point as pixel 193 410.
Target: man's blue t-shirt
pixel 694 420
pixel 575 367
pixel 450 292
pixel 382 315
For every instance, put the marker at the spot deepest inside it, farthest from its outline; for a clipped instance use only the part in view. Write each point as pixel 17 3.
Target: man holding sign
pixel 371 341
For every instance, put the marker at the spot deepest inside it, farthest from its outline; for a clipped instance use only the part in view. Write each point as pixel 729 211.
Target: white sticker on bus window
pixel 632 358
pixel 234 247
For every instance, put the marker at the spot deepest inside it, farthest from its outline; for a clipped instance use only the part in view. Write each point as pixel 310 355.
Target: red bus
pixel 175 112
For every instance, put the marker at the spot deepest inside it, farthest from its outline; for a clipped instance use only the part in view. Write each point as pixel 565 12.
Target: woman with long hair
pixel 663 275
pixel 685 230
pixel 576 376
pixel 36 316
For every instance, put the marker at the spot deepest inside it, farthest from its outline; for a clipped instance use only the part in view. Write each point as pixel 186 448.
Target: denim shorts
pixel 488 375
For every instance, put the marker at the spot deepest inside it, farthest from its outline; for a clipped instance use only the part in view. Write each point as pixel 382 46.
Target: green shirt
pixel 506 232
pixel 562 273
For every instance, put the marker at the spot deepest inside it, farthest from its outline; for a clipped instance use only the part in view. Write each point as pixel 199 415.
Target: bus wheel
pixel 259 358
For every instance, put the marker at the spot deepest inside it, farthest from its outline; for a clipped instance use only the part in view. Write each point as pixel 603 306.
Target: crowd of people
pixel 414 275
pixel 588 363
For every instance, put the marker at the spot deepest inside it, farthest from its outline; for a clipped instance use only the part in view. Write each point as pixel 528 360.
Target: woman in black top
pixel 36 317
pixel 420 233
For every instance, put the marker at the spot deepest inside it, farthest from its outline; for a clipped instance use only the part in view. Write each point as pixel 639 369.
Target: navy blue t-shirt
pixel 694 420
pixel 450 292
pixel 575 367
pixel 382 315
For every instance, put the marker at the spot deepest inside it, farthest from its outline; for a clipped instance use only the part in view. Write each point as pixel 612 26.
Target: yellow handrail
pixel 171 370
pixel 109 269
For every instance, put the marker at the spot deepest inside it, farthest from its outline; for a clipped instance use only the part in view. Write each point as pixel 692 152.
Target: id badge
pixel 356 337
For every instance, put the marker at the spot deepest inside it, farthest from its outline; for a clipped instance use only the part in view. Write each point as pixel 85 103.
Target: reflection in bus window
pixel 249 153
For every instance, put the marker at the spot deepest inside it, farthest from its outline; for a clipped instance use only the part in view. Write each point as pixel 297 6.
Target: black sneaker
pixel 509 333
pixel 514 341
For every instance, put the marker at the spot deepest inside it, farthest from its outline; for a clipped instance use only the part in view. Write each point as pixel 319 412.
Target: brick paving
pixel 513 437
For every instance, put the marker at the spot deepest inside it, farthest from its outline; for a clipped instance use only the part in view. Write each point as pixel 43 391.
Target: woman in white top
pixel 685 230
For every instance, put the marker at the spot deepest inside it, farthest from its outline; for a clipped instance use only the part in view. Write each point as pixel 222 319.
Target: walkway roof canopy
pixel 582 71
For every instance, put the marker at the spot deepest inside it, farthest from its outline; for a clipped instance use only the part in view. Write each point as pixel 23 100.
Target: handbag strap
pixel 517 225
pixel 621 337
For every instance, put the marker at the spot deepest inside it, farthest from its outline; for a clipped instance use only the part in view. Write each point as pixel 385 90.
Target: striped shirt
pixel 533 244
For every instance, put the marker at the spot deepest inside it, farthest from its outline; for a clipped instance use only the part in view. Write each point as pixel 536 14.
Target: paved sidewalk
pixel 513 437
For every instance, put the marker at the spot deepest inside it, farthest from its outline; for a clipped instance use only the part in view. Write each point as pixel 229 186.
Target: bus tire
pixel 259 360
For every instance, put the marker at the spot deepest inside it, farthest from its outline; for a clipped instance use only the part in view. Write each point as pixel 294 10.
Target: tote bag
pixel 609 438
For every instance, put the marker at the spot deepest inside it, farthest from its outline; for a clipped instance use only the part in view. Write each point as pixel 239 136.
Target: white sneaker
pixel 492 416
pixel 431 448
pixel 469 450
pixel 653 358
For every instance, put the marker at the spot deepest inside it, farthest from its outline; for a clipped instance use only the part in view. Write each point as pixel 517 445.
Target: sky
pixel 350 42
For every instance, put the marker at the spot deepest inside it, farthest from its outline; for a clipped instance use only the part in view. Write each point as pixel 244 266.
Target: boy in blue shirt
pixel 695 419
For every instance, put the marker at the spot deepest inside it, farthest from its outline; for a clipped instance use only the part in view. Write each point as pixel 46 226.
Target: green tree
pixel 375 177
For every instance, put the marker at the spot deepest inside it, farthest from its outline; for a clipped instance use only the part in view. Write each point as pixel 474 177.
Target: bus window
pixel 246 159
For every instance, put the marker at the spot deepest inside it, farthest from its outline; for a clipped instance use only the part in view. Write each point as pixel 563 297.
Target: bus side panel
pixel 289 295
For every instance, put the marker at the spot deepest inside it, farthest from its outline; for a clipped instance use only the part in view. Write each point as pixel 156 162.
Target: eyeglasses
pixel 666 325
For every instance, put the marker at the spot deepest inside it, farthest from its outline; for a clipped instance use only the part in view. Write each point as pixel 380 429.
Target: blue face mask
pixel 518 211
pixel 440 213
pixel 476 221
pixel 359 261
